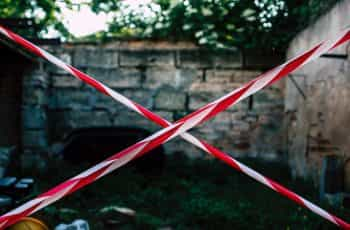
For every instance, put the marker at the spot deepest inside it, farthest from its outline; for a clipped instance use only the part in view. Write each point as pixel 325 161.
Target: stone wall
pixel 171 79
pixel 318 125
pixel 34 117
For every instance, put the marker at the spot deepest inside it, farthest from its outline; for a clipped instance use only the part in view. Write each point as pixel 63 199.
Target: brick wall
pixel 171 79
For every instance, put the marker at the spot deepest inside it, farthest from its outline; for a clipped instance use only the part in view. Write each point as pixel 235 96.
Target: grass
pixel 190 194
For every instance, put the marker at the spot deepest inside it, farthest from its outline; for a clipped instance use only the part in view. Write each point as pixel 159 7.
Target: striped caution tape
pixel 173 130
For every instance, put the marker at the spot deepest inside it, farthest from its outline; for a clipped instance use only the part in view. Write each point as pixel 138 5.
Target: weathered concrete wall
pixel 318 125
pixel 170 79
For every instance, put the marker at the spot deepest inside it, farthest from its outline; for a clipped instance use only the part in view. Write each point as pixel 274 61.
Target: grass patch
pixel 198 194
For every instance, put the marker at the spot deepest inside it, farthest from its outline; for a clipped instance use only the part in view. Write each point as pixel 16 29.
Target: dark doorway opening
pixel 96 144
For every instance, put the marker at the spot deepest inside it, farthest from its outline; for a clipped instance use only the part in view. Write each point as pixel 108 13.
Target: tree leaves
pixel 44 12
pixel 267 25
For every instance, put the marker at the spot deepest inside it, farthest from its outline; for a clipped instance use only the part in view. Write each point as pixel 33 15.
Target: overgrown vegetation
pixel 46 14
pixel 266 25
pixel 197 194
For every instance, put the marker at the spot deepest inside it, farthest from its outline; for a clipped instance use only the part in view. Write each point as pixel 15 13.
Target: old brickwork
pixel 170 79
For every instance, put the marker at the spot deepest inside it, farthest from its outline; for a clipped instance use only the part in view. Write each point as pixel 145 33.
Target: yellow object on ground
pixel 28 223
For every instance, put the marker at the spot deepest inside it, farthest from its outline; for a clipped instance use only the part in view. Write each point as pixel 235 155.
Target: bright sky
pixel 85 21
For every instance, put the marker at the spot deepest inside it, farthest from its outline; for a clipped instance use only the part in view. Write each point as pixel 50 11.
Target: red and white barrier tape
pixel 184 124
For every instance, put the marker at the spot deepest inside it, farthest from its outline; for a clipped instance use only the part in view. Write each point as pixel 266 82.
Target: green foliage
pixel 44 12
pixel 264 24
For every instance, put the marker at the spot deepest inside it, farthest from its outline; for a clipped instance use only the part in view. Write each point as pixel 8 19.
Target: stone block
pixel 169 99
pixel 206 131
pixel 197 100
pixel 95 57
pixel 34 139
pixel 220 123
pixel 65 81
pixel 241 113
pixel 125 78
pixel 242 106
pixel 179 146
pixel 71 99
pixel 118 77
pixel 267 102
pixel 179 114
pixel 177 78
pixel 202 58
pixel 33 117
pixel 250 118
pixel 223 118
pixel 36 78
pixel 105 102
pixel 81 119
pixel 240 125
pixel 185 77
pixel 195 59
pixel 147 58
pixel 263 108
pixel 169 116
pixel 229 146
pixel 133 119
pixel 244 76
pixel 157 77
pixel 230 75
pixel 100 74
pixel 214 87
pixel 34 96
pixel 66 57
pixel 141 96
pixel 268 96
pixel 219 76
pixel 228 59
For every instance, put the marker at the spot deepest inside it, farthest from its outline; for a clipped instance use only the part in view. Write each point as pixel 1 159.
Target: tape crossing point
pixel 178 128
